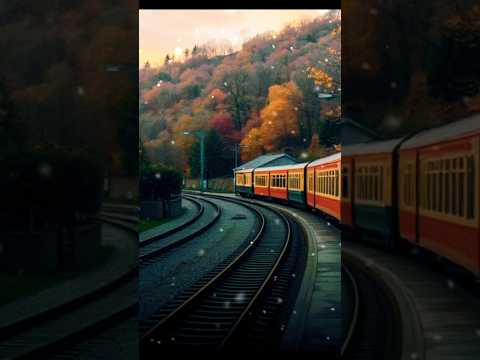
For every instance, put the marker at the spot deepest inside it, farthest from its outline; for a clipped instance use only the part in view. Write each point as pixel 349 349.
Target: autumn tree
pixel 218 161
pixel 237 83
pixel 252 145
pixel 280 117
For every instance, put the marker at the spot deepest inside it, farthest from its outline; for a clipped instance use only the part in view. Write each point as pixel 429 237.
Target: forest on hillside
pixel 410 65
pixel 69 77
pixel 267 97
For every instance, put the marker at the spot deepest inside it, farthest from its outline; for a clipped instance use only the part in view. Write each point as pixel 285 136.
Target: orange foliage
pixel 320 77
pixel 279 118
pixel 251 145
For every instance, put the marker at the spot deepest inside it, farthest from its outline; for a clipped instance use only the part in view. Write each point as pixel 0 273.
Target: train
pixel 421 190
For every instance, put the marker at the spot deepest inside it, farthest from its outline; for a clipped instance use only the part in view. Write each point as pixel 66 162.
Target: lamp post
pixel 200 134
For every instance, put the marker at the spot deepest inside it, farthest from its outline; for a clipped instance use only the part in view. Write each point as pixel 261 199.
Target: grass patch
pixel 150 224
pixel 20 285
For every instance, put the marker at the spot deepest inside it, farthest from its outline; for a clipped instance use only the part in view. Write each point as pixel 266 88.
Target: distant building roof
pixel 352 132
pixel 267 159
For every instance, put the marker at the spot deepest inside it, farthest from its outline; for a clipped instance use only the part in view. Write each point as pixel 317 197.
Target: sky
pixel 171 31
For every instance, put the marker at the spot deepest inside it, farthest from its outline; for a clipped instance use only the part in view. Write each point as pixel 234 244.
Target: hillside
pixel 267 97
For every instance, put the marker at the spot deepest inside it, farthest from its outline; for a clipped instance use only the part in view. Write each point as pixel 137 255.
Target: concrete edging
pixel 413 342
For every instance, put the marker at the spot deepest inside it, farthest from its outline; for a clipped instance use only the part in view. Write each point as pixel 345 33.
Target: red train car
pixel 346 207
pixel 261 181
pixel 278 182
pixel 323 185
pixel 439 187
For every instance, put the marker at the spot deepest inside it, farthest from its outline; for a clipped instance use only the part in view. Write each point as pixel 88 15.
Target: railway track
pixel 240 302
pixel 51 331
pixel 372 320
pixel 200 209
pixel 150 250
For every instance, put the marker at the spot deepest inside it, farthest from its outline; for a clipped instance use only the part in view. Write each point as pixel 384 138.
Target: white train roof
pixel 282 167
pixel 374 147
pixel 470 125
pixel 326 159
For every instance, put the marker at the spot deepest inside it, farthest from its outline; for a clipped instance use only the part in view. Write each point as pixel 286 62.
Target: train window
pixel 345 189
pixel 461 189
pixel 454 189
pixel 471 196
pixel 447 187
pixel 336 182
pixel 381 183
pixel 440 188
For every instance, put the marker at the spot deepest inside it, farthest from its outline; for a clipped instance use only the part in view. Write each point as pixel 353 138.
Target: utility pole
pixel 200 134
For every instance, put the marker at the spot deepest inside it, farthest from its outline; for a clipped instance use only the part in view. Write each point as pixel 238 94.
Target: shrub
pixel 159 182
pixel 50 185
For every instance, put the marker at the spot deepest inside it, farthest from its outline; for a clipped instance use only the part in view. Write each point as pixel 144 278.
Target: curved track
pixel 200 208
pixel 238 300
pixel 371 317
pixel 48 332
pixel 154 248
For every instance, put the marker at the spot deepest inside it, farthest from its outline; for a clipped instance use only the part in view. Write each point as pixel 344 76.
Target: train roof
pixel 326 159
pixel 263 160
pixel 283 167
pixel 374 147
pixel 450 131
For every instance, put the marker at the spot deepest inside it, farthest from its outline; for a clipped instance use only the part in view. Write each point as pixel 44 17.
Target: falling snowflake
pixel 225 83
pixel 277 221
pixel 414 355
pixel 172 142
pixel 172 284
pixel 326 60
pixel 328 338
pixel 282 327
pixel 264 311
pixel 251 242
pixel 365 66
pixel 158 175
pixel 294 312
pixel 226 305
pixel 273 67
pixel 291 48
pixel 393 85
pixel 313 254
pixel 373 11
pixel 322 246
pixel 45 170
pixel 450 284
pixel 274 113
pixel 295 108
pixel 279 300
pixel 221 229
pixel 269 122
pixel 80 91
pixel 201 252
pixel 332 308
pixel 293 275
pixel 273 46
pixel 213 96
pixel 292 132
pixel 172 338
pixel 159 342
pixel 240 297
pixel 437 337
